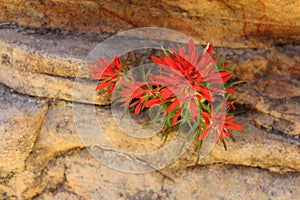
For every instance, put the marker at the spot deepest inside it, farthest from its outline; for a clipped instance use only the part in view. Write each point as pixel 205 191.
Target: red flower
pixel 139 94
pixel 188 84
pixel 218 124
pixel 197 70
pixel 110 73
pixel 190 77
pixel 178 93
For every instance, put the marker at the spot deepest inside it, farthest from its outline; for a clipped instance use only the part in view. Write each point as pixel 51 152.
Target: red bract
pixel 139 94
pixel 218 124
pixel 198 70
pixel 178 92
pixel 110 73
pixel 190 77
pixel 187 84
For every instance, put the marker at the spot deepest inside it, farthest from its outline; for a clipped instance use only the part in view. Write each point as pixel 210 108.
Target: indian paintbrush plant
pixel 191 88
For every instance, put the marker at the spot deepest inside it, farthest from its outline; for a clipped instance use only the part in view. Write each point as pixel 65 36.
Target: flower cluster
pixel 192 86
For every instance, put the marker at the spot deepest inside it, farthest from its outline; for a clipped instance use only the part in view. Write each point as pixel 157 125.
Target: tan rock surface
pixel 231 23
pixel 57 135
pixel 86 178
pixel 49 166
pixel 42 85
pixel 45 65
pixel 251 64
pixel 41 155
pixel 57 168
pixel 21 118
pixel 254 147
pixel 38 67
pixel 277 97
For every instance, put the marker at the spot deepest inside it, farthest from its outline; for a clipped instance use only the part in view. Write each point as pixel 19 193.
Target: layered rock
pixel 21 121
pixel 30 59
pixel 41 153
pixel 85 178
pixel 232 24
pixel 254 147
pixel 35 65
pixel 57 165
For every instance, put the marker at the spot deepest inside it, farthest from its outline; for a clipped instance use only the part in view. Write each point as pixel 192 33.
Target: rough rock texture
pixel 85 178
pixel 279 61
pixel 57 134
pixel 77 175
pixel 30 59
pixel 29 66
pixel 41 85
pixel 56 168
pixel 254 147
pixel 21 120
pixel 51 164
pixel 278 99
pixel 251 23
pixel 43 157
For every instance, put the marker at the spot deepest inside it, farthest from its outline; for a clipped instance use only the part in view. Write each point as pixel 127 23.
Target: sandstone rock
pixel 86 178
pixel 251 64
pixel 56 168
pixel 254 147
pixel 276 97
pixel 29 183
pixel 60 54
pixel 42 155
pixel 41 85
pixel 46 65
pixel 28 69
pixel 230 23
pixel 21 118
pixel 57 135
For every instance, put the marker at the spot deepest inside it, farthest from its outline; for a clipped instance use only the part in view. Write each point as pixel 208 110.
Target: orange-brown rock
pixel 251 23
pixel 85 178
pixel 278 99
pixel 45 65
pixel 43 45
pixel 54 165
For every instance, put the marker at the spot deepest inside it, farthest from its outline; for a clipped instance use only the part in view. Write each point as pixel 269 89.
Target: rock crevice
pixel 42 58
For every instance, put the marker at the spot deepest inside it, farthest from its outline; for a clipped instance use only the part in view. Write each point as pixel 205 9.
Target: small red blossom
pixel 139 94
pixel 187 85
pixel 218 124
pixel 196 69
pixel 187 75
pixel 109 73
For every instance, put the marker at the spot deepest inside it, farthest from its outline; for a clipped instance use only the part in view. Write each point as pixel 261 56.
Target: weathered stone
pixel 277 97
pixel 51 172
pixel 46 65
pixel 58 134
pixel 29 184
pixel 21 118
pixel 48 70
pixel 42 85
pixel 250 64
pixel 86 178
pixel 230 23
pixel 59 54
pixel 41 154
pixel 253 148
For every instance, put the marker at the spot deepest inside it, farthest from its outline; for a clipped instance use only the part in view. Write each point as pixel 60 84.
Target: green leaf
pixel 165 51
